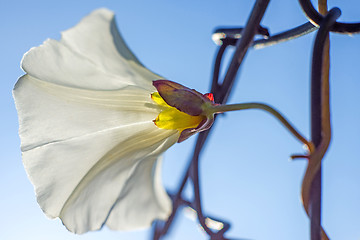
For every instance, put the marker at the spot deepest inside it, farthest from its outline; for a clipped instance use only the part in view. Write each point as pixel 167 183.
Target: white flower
pixel 88 140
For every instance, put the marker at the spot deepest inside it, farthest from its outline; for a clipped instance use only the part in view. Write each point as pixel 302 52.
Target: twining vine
pixel 242 39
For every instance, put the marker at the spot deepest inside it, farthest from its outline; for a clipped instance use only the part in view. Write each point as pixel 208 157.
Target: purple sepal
pixel 204 125
pixel 182 98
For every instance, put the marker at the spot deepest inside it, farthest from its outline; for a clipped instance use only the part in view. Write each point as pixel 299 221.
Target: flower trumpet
pixel 87 109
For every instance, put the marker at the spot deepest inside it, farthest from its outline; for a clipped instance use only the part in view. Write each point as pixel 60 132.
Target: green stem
pixel 243 106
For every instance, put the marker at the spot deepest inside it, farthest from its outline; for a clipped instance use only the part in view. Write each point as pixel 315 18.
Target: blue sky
pixel 246 174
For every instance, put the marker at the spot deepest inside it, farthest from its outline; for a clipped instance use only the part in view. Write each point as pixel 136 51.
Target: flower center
pixel 172 118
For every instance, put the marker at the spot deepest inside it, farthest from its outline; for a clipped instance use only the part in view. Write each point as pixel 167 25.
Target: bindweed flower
pixel 93 125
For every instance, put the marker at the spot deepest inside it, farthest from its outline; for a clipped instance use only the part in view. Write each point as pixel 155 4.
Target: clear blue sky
pixel 246 174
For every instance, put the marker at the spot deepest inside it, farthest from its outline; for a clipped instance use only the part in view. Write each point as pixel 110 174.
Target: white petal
pixel 153 200
pixel 85 121
pixel 92 55
pixel 90 152
pixel 83 179
pixel 51 113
